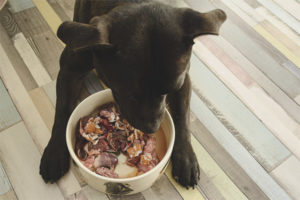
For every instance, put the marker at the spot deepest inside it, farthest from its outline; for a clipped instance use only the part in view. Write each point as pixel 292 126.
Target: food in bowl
pixel 109 146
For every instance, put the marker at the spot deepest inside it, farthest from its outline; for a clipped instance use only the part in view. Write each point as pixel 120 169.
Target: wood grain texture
pixel 222 182
pixel 208 188
pixel 281 14
pixel 31 22
pixel 16 60
pixel 5 185
pixel 92 194
pixel 260 78
pixel 279 24
pixel 288 176
pixel 257 100
pixel 283 38
pixel 277 44
pixel 10 195
pixel 246 127
pixel 19 5
pixel 49 50
pixel 21 168
pixel 137 196
pixel 50 90
pixel 34 122
pixel 33 63
pixel 254 47
pixel 42 39
pixel 186 194
pixel 61 12
pixel 43 105
pixel 8 22
pixel 244 11
pixel 8 112
pixel 48 14
pixel 232 169
pixel 236 150
pixel 284 133
pixel 66 5
pixel 162 189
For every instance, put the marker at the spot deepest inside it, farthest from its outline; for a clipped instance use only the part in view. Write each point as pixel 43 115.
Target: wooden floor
pixel 245 106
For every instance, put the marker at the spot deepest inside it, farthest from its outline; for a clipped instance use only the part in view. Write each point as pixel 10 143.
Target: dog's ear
pixel 80 36
pixel 195 23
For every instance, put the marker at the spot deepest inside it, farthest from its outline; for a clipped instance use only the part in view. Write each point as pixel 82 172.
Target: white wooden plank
pixel 278 128
pixel 248 9
pixel 258 76
pixel 33 121
pixel 8 113
pixel 21 160
pixel 237 151
pixel 33 63
pixel 252 22
pixel 281 14
pixel 236 79
pixel 279 24
pixel 288 176
pixel 4 182
pixel 291 6
pixel 93 194
pixel 258 140
pixel 162 189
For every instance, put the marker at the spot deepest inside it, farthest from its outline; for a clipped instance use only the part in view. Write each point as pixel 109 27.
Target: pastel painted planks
pixel 232 169
pixel 33 121
pixel 8 112
pixel 280 13
pixel 33 63
pixel 21 160
pixel 288 176
pixel 237 151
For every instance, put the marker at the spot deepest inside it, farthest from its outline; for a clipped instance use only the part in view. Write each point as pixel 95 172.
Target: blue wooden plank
pixel 245 126
pixel 19 5
pixel 8 112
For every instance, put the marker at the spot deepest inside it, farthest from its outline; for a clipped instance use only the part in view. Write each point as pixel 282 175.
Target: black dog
pixel 141 50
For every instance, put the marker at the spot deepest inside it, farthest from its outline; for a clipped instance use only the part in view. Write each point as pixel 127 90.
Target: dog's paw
pixel 55 162
pixel 186 169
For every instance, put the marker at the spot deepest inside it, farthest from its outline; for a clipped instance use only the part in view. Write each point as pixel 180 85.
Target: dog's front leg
pixel 55 161
pixel 185 166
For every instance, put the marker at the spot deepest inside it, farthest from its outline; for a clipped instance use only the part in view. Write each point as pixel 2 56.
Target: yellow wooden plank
pixel 226 187
pixel 278 45
pixel 32 119
pixel 191 194
pixel 217 176
pixel 48 13
pixel 43 105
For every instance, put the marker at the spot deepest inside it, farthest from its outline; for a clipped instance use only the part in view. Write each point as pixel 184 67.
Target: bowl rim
pixel 164 161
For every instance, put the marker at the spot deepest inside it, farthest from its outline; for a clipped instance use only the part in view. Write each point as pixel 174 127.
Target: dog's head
pixel 142 53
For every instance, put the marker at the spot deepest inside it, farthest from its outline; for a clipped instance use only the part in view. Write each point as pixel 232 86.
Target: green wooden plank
pixel 254 47
pixel 245 126
pixel 236 150
pixel 8 112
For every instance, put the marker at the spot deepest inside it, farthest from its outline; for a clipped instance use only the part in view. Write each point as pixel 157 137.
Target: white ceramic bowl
pixel 121 186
